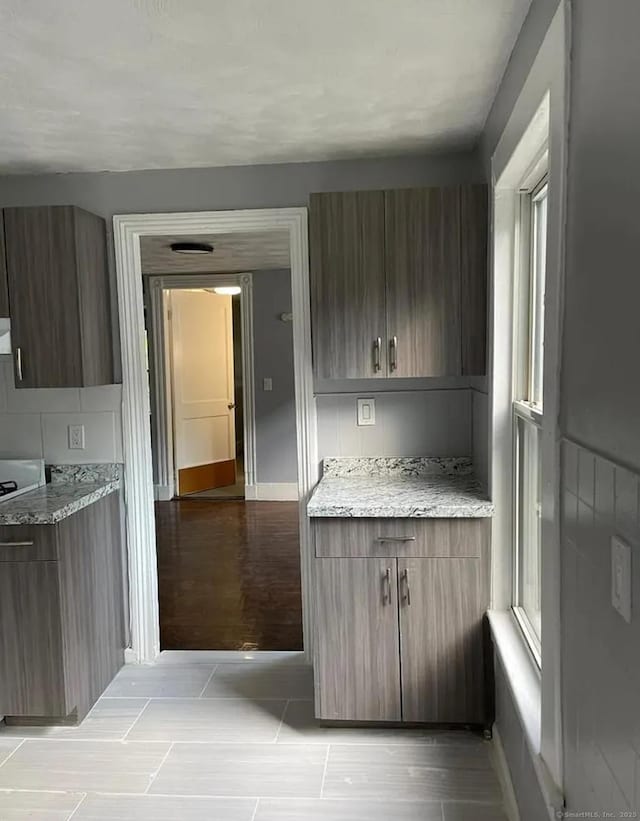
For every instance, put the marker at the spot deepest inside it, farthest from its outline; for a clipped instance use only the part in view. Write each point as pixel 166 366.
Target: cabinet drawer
pixel 411 538
pixel 28 543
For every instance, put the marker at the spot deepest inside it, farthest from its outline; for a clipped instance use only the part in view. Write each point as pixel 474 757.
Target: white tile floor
pixel 197 740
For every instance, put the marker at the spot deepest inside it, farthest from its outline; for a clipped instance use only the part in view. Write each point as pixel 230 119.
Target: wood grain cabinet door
pixel 442 602
pixel 422 239
pixel 58 297
pixel 357 659
pixel 32 679
pixel 348 284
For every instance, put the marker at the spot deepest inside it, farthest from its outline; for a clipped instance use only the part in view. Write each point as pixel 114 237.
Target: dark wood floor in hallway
pixel 229 575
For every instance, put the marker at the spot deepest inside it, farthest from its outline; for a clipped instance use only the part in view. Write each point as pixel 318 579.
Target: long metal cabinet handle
pixel 393 353
pixel 396 539
pixel 19 364
pixel 407 588
pixel 377 345
pixel 386 597
pixel 16 544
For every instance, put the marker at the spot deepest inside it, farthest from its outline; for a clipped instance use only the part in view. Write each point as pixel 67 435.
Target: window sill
pixel 523 676
pixel 525 684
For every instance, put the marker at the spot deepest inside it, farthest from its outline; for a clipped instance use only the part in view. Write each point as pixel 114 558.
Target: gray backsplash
pixel 408 423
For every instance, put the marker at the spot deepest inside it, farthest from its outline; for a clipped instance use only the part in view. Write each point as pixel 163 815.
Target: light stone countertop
pixel 67 494
pixel 411 488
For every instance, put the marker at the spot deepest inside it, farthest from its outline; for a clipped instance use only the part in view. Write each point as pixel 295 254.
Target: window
pixel 528 410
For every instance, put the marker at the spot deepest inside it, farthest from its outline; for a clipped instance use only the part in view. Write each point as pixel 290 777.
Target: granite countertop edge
pixel 483 511
pixel 416 488
pixel 52 503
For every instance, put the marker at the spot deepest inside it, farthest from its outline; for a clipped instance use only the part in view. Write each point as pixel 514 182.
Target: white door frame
pixel 161 406
pixel 138 473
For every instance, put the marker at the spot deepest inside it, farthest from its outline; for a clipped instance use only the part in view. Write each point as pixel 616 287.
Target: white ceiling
pixel 232 253
pixel 122 84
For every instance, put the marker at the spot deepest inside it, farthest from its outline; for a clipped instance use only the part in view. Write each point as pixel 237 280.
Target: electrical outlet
pixel 267 384
pixel 76 437
pixel 621 577
pixel 366 412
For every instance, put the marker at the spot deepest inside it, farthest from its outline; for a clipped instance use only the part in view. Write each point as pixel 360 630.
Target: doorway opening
pixel 224 419
pixel 130 231
pixel 201 375
pixel 207 407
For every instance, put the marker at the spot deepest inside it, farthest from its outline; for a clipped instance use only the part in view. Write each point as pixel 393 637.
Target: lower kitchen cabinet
pixel 357 670
pixel 442 602
pixel 401 638
pixel 61 614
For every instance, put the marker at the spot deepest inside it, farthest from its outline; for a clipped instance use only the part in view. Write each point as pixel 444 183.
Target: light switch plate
pixel 621 577
pixel 267 384
pixel 76 437
pixel 366 412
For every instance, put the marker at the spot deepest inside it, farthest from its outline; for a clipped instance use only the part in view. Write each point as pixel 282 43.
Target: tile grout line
pixel 78 805
pixel 284 712
pixel 136 719
pixel 209 698
pixel 324 771
pixel 15 750
pixel 208 681
pixel 157 772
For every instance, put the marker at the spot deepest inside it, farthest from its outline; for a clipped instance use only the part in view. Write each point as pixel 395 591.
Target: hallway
pixel 206 741
pixel 229 575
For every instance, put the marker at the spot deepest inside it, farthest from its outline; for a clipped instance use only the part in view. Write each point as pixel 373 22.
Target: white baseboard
pixel 162 493
pixel 504 776
pixel 272 492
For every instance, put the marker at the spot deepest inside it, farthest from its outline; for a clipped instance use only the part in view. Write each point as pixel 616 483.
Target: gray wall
pixel 276 447
pixel 600 408
pixel 408 423
pixel 480 434
pixel 256 186
pixel 529 798
pixel 600 385
pixel 524 52
pixel 265 186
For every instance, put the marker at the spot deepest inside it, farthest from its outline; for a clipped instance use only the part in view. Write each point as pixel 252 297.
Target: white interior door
pixel 203 391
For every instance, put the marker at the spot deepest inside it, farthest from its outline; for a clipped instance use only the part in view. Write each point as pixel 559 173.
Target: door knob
pixel 231 405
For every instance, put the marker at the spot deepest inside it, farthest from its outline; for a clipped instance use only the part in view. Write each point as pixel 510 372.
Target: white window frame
pixel 524 407
pixel 538 117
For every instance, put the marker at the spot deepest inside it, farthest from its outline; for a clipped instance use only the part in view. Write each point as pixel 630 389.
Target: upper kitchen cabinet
pixel 348 284
pixel 422 262
pixel 59 300
pixel 398 282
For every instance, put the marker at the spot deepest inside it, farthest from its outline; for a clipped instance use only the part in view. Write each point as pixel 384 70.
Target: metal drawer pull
pixel 396 539
pixel 386 597
pixel 393 353
pixel 377 345
pixel 19 364
pixel 16 544
pixel 407 595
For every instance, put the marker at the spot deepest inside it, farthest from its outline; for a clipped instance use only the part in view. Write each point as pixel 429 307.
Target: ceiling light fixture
pixel 228 290
pixel 191 248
